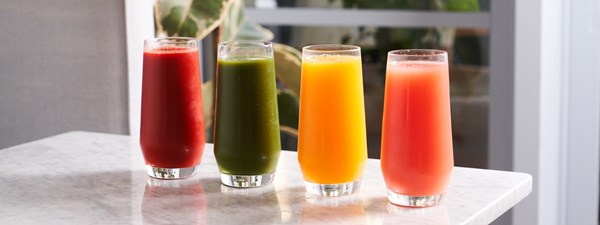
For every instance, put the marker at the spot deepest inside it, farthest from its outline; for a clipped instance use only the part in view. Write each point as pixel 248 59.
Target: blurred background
pixel 524 75
pixel 468 49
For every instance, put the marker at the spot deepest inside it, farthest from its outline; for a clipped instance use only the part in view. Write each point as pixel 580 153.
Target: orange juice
pixel 332 143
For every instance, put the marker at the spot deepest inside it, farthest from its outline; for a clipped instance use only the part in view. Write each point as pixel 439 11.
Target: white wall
pixel 62 68
pixel 557 98
pixel 140 26
pixel 581 97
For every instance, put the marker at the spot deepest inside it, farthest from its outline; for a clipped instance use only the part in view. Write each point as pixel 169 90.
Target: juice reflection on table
pixel 172 119
pixel 405 215
pixel 416 151
pixel 247 206
pixel 340 210
pixel 174 202
pixel 332 146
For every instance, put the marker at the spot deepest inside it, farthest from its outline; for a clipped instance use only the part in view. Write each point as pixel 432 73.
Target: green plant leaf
pixel 462 5
pixel 252 31
pixel 196 18
pixel 288 63
pixel 188 28
pixel 233 20
pixel 208 102
pixel 289 108
pixel 170 23
pixel 348 3
pixel 289 131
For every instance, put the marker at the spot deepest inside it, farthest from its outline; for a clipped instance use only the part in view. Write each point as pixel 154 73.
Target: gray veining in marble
pixel 92 178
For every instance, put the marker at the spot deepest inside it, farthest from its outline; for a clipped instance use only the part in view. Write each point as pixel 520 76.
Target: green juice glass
pixel 246 135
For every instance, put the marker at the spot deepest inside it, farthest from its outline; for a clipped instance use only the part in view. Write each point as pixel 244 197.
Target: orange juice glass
pixel 332 140
pixel 416 145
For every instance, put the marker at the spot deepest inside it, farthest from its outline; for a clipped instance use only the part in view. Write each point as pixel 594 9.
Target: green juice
pixel 247 123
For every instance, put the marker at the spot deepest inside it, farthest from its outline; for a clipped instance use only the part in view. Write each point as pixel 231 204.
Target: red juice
pixel 172 120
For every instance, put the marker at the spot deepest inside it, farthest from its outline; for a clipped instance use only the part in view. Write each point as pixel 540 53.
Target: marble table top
pixel 93 178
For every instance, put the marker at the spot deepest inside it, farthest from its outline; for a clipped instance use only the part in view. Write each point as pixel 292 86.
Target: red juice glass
pixel 416 144
pixel 172 121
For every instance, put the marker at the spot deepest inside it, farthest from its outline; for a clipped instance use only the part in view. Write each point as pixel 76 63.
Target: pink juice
pixel 416 152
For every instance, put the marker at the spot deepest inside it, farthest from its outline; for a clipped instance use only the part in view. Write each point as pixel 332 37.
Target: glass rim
pixel 246 43
pixel 171 40
pixel 326 48
pixel 417 52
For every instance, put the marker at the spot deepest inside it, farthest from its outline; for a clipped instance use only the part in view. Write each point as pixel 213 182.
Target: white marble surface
pixel 92 178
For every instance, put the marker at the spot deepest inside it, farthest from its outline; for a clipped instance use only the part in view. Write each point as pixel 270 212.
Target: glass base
pixel 171 173
pixel 414 201
pixel 247 181
pixel 332 190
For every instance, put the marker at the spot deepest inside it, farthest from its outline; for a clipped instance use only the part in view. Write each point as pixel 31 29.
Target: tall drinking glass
pixel 416 145
pixel 332 140
pixel 172 121
pixel 247 142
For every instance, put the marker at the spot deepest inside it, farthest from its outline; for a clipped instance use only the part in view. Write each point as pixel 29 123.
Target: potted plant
pixel 224 19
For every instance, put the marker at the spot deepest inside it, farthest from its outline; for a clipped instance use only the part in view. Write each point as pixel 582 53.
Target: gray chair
pixel 63 67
